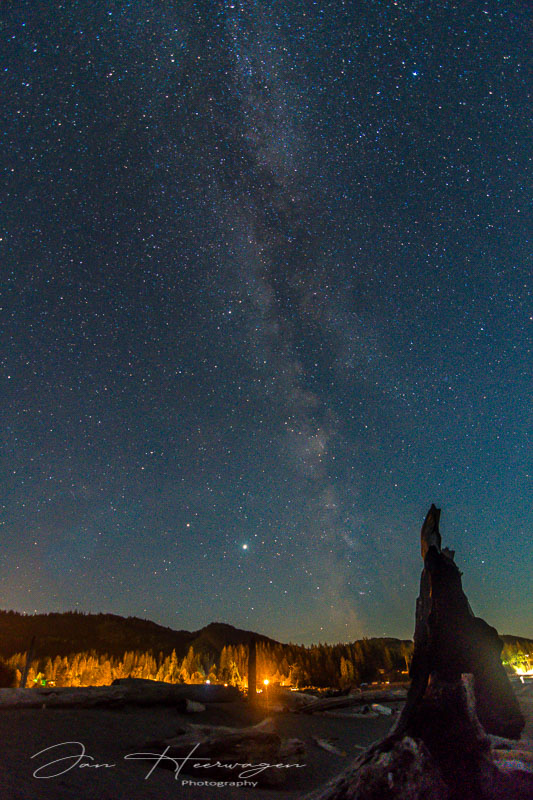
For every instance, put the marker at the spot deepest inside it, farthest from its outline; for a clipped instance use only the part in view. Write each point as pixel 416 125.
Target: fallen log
pixel 326 744
pixel 332 703
pixel 198 692
pixel 381 709
pixel 438 749
pixel 138 694
pixel 214 751
pixel 111 697
pixel 346 701
pixel 365 713
pixel 289 700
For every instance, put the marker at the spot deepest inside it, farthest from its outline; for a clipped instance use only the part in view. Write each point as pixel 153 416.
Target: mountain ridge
pixel 66 632
pixel 62 633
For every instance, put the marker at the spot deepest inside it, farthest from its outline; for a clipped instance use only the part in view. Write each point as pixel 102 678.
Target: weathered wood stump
pixel 450 641
pixel 439 748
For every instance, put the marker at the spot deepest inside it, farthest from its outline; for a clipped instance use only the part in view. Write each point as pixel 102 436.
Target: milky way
pixel 265 297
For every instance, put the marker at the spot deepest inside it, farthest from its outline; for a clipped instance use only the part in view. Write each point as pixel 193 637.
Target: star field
pixel 265 296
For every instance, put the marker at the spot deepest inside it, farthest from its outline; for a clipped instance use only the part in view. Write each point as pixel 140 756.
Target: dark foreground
pixel 109 735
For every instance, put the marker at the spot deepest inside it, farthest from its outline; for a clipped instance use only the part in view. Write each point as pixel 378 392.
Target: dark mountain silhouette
pixel 69 632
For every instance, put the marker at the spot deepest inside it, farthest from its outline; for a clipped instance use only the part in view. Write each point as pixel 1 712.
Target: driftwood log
pixel 129 691
pixel 439 748
pixel 350 700
pixel 232 752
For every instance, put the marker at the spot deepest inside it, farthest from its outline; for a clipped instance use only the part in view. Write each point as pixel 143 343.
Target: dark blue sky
pixel 265 281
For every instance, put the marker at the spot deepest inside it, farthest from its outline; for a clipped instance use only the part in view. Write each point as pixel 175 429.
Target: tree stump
pixel 449 641
pixel 439 748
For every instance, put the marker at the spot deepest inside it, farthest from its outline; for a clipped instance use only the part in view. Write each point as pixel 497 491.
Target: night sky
pixel 265 284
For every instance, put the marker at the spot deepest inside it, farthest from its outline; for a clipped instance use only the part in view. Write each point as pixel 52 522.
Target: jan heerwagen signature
pixel 61 764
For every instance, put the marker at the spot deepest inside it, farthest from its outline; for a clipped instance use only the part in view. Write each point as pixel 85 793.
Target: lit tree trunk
pixel 29 659
pixel 252 671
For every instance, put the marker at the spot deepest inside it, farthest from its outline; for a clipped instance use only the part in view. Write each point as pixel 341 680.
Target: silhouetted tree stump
pixel 439 748
pixel 450 641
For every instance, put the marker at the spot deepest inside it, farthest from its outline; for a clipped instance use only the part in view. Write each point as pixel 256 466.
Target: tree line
pixel 337 666
pixel 77 649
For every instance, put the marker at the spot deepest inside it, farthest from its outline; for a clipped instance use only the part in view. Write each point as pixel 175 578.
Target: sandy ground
pixel 109 735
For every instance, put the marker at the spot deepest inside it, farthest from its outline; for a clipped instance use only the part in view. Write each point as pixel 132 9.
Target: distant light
pixel 414 74
pixel 208 682
pixel 521 671
pixel 266 681
pixel 245 547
